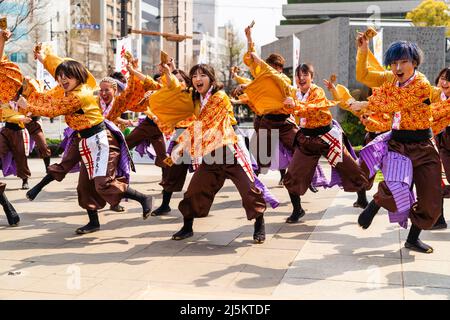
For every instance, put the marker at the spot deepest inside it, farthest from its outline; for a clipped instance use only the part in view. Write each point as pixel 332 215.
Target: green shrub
pixel 353 129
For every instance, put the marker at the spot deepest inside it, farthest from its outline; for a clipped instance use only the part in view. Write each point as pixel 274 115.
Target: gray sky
pixel 266 13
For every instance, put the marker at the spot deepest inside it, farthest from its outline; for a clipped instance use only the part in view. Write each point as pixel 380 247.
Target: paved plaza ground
pixel 325 256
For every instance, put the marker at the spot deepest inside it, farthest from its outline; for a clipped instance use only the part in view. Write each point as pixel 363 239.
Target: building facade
pixel 178 18
pixel 303 14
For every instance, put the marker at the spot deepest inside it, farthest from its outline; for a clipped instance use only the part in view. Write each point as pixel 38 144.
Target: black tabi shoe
pixel 117 208
pixel 186 231
pixel 366 217
pixel 144 200
pixel 25 185
pixel 295 216
pixel 161 211
pixel 259 234
pixel 33 192
pixel 183 234
pixel 89 228
pixel 313 189
pixel 93 224
pixel 419 246
pixel 10 212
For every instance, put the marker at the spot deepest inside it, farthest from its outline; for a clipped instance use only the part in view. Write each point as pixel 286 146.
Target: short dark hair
pixel 156 76
pixel 119 76
pixel 403 50
pixel 184 75
pixel 276 59
pixel 305 68
pixel 209 71
pixel 446 72
pixel 73 70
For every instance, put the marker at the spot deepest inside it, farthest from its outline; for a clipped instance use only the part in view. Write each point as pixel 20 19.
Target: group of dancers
pixel 405 117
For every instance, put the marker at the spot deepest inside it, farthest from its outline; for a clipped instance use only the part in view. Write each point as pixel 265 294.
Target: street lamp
pixel 177 31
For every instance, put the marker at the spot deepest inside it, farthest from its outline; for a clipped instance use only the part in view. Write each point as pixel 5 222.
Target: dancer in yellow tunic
pixel 407 153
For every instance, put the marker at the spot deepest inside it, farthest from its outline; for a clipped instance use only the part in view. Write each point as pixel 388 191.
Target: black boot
pixel 297 211
pixel 366 217
pixel 145 201
pixel 186 231
pixel 32 194
pixel 11 214
pixel 117 208
pixel 413 242
pixel 93 224
pixel 259 235
pixel 46 163
pixel 361 202
pixel 164 208
pixel 25 184
pixel 440 223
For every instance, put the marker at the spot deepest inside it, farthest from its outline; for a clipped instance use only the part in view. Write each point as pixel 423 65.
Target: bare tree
pixel 25 15
pixel 233 55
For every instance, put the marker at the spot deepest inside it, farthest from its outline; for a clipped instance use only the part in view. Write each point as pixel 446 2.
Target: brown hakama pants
pixel 264 127
pixel 208 179
pixel 59 170
pixel 36 133
pixel 301 170
pixel 148 130
pixel 427 179
pixel 12 140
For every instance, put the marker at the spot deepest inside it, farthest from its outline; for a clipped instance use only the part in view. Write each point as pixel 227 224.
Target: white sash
pixel 95 154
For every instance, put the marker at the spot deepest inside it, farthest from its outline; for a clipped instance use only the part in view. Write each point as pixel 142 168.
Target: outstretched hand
pixel 5 34
pixel 362 42
pixel 330 86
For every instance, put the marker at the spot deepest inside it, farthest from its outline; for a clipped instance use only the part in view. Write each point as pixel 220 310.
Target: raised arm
pixel 368 70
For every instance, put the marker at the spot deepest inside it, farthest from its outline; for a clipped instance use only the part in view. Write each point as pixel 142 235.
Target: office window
pixel 19 57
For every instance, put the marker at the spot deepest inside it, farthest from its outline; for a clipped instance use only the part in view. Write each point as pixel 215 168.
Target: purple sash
pixel 398 173
pixel 125 162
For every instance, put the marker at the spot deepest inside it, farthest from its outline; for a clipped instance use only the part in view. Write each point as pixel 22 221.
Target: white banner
pixel 295 57
pixel 43 75
pixel 120 63
pixel 378 46
pixel 203 56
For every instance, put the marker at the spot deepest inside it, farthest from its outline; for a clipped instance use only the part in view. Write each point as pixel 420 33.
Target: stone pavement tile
pixel 18 250
pixel 268 258
pixel 167 291
pixel 91 270
pixel 346 268
pixel 426 273
pixel 71 284
pixel 16 282
pixel 198 273
pixel 249 284
pixel 6 294
pixel 30 269
pixel 130 271
pixel 219 238
pixel 27 295
pixel 311 289
pixel 207 252
pixel 426 293
pixel 329 243
pixel 112 289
